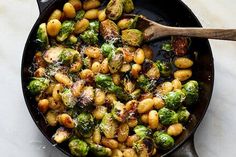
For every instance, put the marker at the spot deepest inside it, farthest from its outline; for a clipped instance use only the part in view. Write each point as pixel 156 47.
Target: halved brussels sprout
pixel 38 85
pixel 128 6
pixel 42 36
pixel 174 99
pixel 191 91
pixel 114 9
pixel 118 111
pixel 108 126
pixel 115 61
pixel 86 124
pixel 109 31
pixel 78 148
pixel 132 37
pixel 167 116
pixel 68 99
pixel 163 140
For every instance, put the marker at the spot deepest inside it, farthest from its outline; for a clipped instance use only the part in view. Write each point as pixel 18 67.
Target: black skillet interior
pixel 169 12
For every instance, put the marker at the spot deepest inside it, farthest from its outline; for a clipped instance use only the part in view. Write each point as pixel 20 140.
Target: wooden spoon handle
pixel 222 34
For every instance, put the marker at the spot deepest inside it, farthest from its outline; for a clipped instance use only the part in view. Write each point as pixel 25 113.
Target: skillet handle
pixel 42 4
pixel 186 150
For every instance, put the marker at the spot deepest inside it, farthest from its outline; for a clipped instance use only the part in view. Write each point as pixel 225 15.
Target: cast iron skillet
pixel 169 12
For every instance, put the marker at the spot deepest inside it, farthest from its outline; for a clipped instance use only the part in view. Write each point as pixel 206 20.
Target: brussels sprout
pixel 78 148
pixel 118 111
pixel 86 97
pixel 114 9
pixel 191 91
pixel 89 37
pixel 109 31
pixel 129 86
pixel 107 48
pixel 115 61
pixel 150 69
pixel 38 85
pixel 136 94
pixel 145 144
pixel 108 126
pixel 146 84
pixel 61 135
pixel 174 99
pixel 99 150
pixel 105 82
pixel 80 15
pixel 164 67
pixel 68 99
pixel 142 131
pixel 163 140
pixel 183 115
pixel 67 28
pixel 53 54
pixel 132 37
pixel 167 116
pixel 128 6
pixel 85 124
pixel 94 25
pixel 42 36
pixel 67 55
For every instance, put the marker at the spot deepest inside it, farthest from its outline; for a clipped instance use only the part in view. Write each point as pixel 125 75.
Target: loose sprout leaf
pixel 167 47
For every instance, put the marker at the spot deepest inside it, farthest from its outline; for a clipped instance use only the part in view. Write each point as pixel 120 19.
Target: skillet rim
pixel 28 104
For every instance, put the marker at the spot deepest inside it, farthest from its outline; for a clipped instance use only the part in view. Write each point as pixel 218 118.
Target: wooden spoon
pixel 153 30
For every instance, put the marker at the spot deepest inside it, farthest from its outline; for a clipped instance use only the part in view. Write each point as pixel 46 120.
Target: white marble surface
pixel 20 137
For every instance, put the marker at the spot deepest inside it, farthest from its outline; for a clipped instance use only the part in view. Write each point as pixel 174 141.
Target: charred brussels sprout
pixel 128 6
pixel 163 140
pixel 67 55
pixel 142 131
pixel 78 148
pixel 183 115
pixel 89 37
pixel 68 99
pixel 80 15
pixel 115 61
pixel 86 98
pixel 118 111
pixel 107 48
pixel 108 126
pixel 42 36
pixel 132 37
pixel 109 31
pixel 174 99
pixel 85 124
pixel 99 150
pixel 38 85
pixel 94 25
pixel 53 54
pixel 191 91
pixel 144 146
pixel 146 84
pixel 114 9
pixel 105 82
pixel 164 67
pixel 167 116
pixel 67 28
